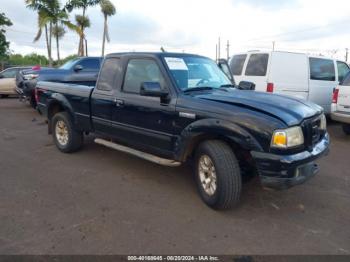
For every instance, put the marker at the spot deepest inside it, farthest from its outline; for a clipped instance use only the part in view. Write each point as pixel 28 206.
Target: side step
pixel 143 155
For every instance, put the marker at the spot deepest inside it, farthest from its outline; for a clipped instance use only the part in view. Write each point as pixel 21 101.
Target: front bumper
pixel 342 117
pixel 284 171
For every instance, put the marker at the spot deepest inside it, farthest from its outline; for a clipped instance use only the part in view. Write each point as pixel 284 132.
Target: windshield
pixel 68 65
pixel 193 72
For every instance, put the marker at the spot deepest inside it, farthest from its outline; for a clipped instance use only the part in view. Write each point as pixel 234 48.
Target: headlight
pixel 287 138
pixel 323 124
pixel 30 76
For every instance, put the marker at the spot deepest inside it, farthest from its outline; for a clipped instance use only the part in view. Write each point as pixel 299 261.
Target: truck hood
pixel 290 110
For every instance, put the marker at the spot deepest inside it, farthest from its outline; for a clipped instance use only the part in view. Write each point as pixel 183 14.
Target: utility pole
pixel 216 53
pixel 219 47
pixel 228 49
pixel 346 54
pixel 273 45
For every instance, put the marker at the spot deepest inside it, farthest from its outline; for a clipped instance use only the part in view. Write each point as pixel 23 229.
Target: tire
pixel 67 139
pixel 4 96
pixel 346 129
pixel 32 101
pixel 227 174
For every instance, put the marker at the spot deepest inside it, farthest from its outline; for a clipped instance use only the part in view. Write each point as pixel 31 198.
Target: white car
pixel 341 104
pixel 308 77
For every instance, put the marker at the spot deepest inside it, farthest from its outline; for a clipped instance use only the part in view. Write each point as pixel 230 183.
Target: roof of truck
pixel 158 54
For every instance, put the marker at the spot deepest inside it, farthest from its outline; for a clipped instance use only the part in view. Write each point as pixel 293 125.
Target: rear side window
pixel 90 64
pixel 343 70
pixel 9 73
pixel 237 63
pixel 139 71
pixel 257 65
pixel 322 69
pixel 110 69
pixel 346 80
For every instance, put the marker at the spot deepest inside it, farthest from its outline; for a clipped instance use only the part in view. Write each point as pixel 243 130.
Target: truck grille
pixel 312 132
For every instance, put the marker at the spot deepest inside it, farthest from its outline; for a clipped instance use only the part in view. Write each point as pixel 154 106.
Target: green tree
pixel 58 32
pixel 83 4
pixel 107 9
pixel 4 45
pixel 28 60
pixel 50 17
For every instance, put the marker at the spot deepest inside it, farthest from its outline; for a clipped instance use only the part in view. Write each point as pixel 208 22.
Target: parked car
pixel 171 108
pixel 341 104
pixel 7 81
pixel 294 74
pixel 83 70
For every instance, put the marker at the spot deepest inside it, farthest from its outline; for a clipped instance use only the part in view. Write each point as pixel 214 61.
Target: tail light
pixel 269 88
pixel 335 95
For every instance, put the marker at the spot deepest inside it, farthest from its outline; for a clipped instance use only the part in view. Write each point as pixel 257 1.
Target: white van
pixel 295 74
pixel 341 104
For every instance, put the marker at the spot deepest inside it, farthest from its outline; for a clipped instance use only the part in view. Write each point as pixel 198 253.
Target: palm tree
pixel 58 32
pixel 44 21
pixel 84 4
pixel 108 9
pixel 82 22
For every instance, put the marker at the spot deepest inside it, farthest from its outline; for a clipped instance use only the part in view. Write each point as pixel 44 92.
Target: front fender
pixel 213 128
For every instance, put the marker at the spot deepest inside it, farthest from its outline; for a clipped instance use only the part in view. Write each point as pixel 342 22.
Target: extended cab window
pixel 343 70
pixel 257 65
pixel 90 64
pixel 107 74
pixel 139 71
pixel 237 63
pixel 322 69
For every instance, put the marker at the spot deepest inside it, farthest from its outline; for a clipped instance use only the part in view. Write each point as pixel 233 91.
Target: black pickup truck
pixel 171 108
pixel 81 70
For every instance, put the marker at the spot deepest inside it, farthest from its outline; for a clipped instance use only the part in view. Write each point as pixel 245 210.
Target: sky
pixel 194 26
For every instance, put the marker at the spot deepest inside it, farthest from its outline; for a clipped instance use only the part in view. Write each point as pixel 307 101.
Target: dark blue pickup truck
pixel 171 108
pixel 80 70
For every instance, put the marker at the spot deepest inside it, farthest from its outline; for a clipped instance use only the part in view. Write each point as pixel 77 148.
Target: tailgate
pixel 344 99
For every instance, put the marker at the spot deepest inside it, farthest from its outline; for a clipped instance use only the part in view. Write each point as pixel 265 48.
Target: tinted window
pixel 108 72
pixel 237 63
pixel 346 81
pixel 90 64
pixel 139 71
pixel 257 65
pixel 9 73
pixel 322 69
pixel 343 70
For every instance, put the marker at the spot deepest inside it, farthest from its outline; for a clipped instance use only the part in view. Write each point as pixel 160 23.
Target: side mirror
pixel 152 89
pixel 78 68
pixel 245 85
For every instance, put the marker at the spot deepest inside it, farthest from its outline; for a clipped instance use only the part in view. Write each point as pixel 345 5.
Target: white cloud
pixel 194 26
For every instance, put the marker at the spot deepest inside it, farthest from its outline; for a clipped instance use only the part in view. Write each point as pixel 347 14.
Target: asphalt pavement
pixel 100 201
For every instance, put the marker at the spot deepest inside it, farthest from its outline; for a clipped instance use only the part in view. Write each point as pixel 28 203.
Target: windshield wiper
pixel 198 88
pixel 228 86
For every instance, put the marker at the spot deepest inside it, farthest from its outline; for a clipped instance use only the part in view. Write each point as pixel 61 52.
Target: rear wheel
pixel 65 137
pixel 346 129
pixel 4 96
pixel 217 175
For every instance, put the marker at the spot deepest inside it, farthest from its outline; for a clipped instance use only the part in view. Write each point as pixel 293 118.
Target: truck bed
pixel 77 97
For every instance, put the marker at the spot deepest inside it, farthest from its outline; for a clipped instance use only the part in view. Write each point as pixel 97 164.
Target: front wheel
pixel 346 129
pixel 217 175
pixel 65 137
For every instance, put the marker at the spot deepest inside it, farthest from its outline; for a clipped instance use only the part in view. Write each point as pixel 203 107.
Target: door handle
pixel 119 102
